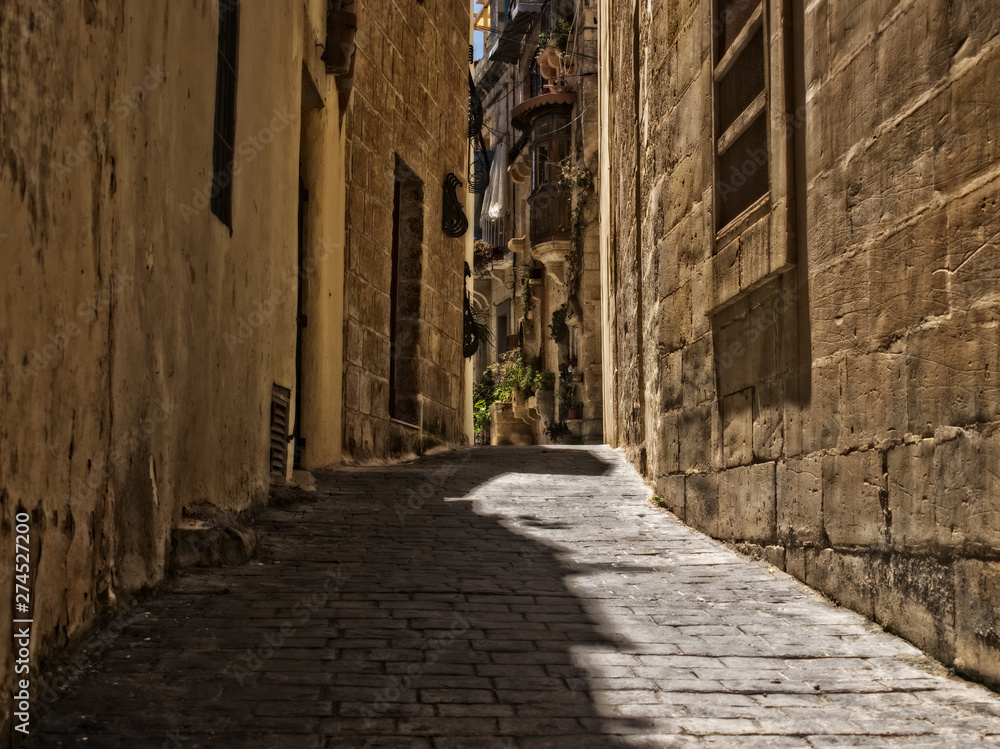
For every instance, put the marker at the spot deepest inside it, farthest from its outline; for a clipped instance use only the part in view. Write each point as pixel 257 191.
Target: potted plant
pixel 527 298
pixel 557 431
pixel 481 255
pixel 556 38
pixel 567 398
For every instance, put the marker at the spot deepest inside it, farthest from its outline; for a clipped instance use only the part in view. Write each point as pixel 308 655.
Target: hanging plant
pixel 475 330
pixel 526 296
pixel 577 176
pixel 558 329
pixel 558 37
pixel 484 255
pixel 567 396
pixel 481 254
pixel 574 258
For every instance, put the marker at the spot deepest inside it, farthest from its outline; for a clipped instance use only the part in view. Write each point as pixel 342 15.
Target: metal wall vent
pixel 281 399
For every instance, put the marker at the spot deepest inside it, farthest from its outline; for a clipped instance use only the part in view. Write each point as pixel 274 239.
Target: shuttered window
pixel 281 399
pixel 742 175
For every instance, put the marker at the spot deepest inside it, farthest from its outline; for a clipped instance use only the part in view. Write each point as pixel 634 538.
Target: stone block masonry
pixel 506 598
pixel 409 106
pixel 141 332
pixel 841 416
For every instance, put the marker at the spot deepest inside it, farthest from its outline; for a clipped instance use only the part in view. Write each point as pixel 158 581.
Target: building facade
pixel 176 313
pixel 802 300
pixel 406 132
pixel 537 274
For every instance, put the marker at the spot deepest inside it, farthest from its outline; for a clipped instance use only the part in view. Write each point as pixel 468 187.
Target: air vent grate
pixel 281 399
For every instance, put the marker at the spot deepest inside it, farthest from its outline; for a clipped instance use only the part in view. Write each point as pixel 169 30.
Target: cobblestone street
pixel 502 598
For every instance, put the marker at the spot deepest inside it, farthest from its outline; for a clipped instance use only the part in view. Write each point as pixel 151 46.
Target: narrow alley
pixel 498 598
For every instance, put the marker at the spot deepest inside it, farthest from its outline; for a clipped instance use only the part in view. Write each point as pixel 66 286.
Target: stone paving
pixel 504 598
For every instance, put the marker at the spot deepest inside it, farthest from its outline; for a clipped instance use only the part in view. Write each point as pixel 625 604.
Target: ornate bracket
pixel 475 110
pixel 453 220
pixel 470 338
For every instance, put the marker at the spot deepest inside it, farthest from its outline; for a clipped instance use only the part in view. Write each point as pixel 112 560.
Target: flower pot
pixel 341 29
pixel 572 414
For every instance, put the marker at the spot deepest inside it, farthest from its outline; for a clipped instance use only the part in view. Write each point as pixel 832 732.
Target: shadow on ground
pixel 384 612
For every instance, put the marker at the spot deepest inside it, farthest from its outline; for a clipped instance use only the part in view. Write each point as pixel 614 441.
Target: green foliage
pixel 559 37
pixel 481 326
pixel 526 296
pixel 577 176
pixel 484 389
pixel 484 255
pixel 481 415
pixel 483 396
pixel 501 380
pixel 545 381
pixel 558 329
pixel 567 396
pixel 512 374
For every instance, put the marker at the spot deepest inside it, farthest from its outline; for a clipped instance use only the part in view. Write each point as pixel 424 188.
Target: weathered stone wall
pixel 842 418
pixel 411 102
pixel 586 136
pixel 139 337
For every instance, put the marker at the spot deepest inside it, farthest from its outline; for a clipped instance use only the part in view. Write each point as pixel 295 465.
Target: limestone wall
pixel 410 101
pixel 139 337
pixel 842 417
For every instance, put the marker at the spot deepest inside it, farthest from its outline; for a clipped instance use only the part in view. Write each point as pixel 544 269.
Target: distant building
pixel 537 275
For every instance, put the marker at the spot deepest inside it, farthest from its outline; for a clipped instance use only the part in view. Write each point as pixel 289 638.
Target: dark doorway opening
pixel 405 292
pixel 301 321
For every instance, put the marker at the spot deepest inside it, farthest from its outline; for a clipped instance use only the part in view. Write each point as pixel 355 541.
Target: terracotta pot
pixel 571 414
pixel 341 29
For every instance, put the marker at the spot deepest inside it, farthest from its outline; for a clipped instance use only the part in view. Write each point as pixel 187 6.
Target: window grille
pixel 224 143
